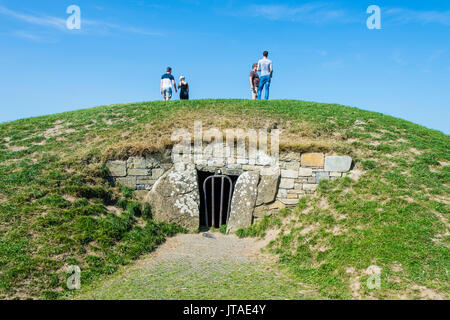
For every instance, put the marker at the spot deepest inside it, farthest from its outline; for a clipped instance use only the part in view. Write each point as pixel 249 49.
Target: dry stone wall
pixel 274 184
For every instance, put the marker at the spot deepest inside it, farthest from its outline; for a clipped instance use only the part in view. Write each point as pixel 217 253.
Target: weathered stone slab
pixel 271 209
pixel 314 160
pixel 145 180
pixel 247 167
pixel 305 172
pixel 117 168
pixel 289 202
pixel 294 165
pixel 289 156
pixel 289 174
pixel 287 183
pixel 243 203
pixel 136 163
pixel 157 173
pixel 310 187
pixel 231 172
pixel 175 198
pixel 338 163
pixel 322 176
pixel 267 189
pixel 270 171
pixel 282 193
pixel 139 172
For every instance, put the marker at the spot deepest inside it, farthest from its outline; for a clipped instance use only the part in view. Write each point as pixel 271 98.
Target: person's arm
pixel 251 82
pixel 271 70
pixel 179 85
pixel 187 88
pixel 161 86
pixel 174 85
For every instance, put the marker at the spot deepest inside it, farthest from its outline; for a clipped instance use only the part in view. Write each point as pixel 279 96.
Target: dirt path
pixel 192 266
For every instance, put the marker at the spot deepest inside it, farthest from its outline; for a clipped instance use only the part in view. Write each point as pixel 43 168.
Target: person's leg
pixel 268 87
pixel 261 84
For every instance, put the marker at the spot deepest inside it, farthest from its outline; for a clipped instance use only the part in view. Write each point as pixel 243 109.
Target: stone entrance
pixel 216 192
pixel 173 187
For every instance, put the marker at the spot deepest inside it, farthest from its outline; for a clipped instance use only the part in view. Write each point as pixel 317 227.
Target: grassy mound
pixel 57 209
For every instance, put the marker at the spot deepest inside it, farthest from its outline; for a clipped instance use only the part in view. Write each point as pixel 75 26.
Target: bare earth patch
pixel 16 149
pixel 195 266
pixel 427 294
pixel 58 130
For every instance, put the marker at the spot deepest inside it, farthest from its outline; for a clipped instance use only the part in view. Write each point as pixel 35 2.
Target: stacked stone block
pixel 293 176
pixel 138 173
pixel 301 174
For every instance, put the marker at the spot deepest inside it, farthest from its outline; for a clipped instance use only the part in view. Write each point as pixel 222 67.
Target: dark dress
pixel 184 92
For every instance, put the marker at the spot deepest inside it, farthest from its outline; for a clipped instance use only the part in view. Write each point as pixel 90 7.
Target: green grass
pixel 395 216
pixel 181 281
pixel 57 208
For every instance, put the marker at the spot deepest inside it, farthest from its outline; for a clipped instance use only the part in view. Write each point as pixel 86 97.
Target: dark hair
pixel 255 65
pixel 169 69
pixel 265 54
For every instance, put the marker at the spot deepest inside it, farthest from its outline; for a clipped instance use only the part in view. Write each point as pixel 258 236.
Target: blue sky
pixel 322 51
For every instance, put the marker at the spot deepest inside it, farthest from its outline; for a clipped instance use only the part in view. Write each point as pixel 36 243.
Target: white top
pixel 167 79
pixel 264 66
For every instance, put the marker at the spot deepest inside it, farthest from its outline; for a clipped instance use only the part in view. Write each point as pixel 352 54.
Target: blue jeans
pixel 264 81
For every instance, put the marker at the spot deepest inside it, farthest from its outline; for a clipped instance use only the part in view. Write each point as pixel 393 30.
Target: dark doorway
pixel 219 201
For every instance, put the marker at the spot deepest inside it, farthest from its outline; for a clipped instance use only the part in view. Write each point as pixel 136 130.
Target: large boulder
pixel 268 188
pixel 338 163
pixel 175 198
pixel 243 203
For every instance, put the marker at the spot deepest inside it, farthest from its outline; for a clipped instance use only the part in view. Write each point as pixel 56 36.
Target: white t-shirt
pixel 167 80
pixel 264 66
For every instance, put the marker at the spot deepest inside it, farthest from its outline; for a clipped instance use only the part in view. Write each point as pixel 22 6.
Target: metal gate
pixel 223 180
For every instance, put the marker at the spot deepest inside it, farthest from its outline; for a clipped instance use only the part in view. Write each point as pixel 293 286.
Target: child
pixel 254 81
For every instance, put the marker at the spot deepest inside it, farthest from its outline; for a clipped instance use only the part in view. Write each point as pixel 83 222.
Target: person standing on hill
pixel 254 81
pixel 184 89
pixel 266 69
pixel 167 81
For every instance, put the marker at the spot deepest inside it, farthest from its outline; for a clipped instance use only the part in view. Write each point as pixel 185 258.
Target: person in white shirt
pixel 167 81
pixel 266 69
